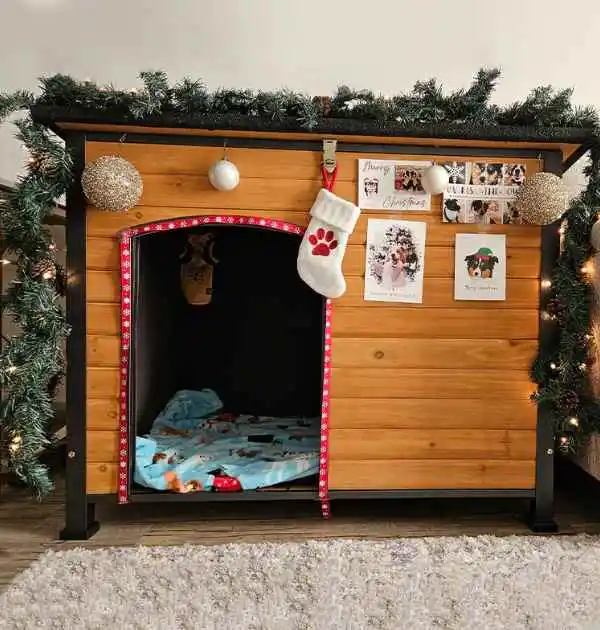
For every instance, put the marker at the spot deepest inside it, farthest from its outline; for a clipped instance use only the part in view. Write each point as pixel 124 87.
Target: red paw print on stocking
pixel 323 242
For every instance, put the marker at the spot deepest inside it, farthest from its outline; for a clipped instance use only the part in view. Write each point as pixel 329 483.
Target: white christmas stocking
pixel 324 244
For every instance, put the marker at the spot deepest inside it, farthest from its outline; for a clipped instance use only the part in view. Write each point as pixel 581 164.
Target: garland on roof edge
pixel 32 360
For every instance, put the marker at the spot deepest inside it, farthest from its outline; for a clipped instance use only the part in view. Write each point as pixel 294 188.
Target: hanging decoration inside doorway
pixel 197 269
pixel 112 183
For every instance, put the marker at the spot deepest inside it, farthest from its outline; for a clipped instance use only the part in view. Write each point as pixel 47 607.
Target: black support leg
pixel 81 523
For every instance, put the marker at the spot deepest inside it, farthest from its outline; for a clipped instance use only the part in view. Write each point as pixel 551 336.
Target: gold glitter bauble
pixel 542 199
pixel 112 183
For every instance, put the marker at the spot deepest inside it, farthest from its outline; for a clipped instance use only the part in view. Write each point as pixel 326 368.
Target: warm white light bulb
pixel 582 366
pixel 11 368
pixel 5 261
pixel 553 366
pixel 574 422
pixel 47 275
pixel 546 284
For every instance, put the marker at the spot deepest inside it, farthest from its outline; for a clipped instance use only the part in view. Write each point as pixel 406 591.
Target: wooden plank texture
pixel 426 443
pixel 425 474
pixel 102 414
pixel 108 224
pixel 438 323
pixel 439 293
pixel 103 350
pixel 430 353
pixel 102 477
pixel 431 413
pixel 103 254
pixel 252 163
pixel 102 382
pixel 103 319
pixel 430 383
pixel 102 446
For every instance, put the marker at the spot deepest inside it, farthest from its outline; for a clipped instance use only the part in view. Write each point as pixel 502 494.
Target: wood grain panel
pixel 252 163
pixel 449 323
pixel 195 191
pixel 102 478
pixel 103 414
pixel 415 413
pixel 103 254
pixel 430 383
pixel 102 224
pixel 439 293
pixel 427 474
pixel 102 382
pixel 103 350
pixel 110 223
pixel 427 443
pixel 430 353
pixel 103 286
pixel 102 446
pixel 103 319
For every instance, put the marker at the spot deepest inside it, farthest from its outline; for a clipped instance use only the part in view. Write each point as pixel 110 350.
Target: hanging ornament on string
pixel 541 199
pixel 224 174
pixel 435 179
pixel 112 183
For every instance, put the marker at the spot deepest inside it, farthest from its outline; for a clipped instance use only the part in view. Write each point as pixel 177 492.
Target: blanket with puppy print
pixel 194 446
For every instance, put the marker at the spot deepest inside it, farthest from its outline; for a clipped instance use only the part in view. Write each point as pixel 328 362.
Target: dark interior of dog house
pixel 226 362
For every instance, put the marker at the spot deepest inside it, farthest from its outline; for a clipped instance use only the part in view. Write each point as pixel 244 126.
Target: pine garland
pixel 562 373
pixel 32 361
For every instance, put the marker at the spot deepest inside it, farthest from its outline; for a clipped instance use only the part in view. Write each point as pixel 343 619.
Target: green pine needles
pixel 562 373
pixel 32 360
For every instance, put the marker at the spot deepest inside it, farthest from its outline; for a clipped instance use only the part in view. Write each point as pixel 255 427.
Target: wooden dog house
pixel 424 400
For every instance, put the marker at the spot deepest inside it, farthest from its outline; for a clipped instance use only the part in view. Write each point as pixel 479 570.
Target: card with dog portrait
pixel 392 186
pixel 480 267
pixel 482 192
pixel 394 265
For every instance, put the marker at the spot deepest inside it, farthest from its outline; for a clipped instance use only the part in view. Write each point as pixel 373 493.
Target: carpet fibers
pixel 460 583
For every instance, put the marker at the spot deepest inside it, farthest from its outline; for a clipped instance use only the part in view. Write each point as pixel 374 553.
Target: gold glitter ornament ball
pixel 542 199
pixel 112 183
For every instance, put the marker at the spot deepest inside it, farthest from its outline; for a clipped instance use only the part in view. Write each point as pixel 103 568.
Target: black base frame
pixel 80 520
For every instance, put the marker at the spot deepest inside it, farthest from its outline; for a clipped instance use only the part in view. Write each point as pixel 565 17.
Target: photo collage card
pixel 482 192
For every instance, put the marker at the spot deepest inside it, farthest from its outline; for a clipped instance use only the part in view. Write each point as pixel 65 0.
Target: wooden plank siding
pixel 423 396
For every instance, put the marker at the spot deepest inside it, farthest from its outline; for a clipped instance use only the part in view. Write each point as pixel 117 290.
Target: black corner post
pixel 79 513
pixel 542 508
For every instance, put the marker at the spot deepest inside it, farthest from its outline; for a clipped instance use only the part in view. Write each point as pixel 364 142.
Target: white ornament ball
pixel 112 183
pixel 595 236
pixel 435 179
pixel 224 175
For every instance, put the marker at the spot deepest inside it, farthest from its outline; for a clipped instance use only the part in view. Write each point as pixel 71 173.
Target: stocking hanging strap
pixel 329 178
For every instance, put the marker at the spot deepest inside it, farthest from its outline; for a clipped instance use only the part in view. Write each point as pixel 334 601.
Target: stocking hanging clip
pixel 329 165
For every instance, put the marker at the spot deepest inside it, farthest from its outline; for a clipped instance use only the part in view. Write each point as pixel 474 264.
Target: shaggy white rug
pixel 481 583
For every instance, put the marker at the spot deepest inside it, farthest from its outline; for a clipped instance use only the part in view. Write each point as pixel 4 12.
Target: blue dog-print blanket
pixel 193 446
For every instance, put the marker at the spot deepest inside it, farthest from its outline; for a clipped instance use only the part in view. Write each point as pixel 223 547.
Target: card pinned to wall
pixel 480 267
pixel 392 185
pixel 395 257
pixel 482 192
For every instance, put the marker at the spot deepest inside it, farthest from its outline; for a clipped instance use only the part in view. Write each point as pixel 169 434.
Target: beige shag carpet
pixel 481 583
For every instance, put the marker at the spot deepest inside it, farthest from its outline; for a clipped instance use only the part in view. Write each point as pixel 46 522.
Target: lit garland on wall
pixel 32 360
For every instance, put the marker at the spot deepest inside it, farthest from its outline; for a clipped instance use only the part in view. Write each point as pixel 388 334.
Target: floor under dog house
pixel 225 396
